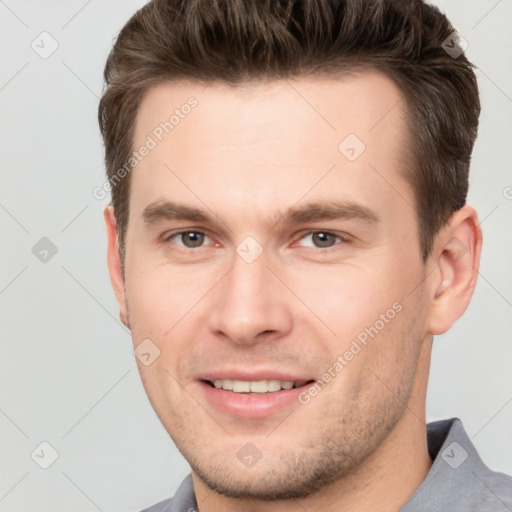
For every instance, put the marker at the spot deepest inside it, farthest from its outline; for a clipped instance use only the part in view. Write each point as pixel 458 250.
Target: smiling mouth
pixel 256 387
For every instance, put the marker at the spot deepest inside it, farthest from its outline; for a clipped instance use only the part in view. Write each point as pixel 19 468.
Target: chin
pixel 259 486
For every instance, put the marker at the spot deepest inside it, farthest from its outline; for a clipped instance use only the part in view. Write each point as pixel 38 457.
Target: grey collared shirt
pixel 458 480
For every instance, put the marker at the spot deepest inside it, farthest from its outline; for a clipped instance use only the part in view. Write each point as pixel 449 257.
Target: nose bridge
pixel 248 302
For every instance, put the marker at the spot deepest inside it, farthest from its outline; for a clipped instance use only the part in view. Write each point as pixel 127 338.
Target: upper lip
pixel 254 376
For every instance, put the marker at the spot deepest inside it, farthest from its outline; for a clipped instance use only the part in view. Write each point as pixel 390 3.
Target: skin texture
pixel 245 156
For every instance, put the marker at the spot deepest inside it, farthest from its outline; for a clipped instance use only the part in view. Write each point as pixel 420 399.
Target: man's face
pixel 266 243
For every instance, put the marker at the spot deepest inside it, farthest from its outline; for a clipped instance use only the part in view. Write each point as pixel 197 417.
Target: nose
pixel 250 304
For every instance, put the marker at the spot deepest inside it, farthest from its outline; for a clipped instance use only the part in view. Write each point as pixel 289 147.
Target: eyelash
pixel 168 238
pixel 341 239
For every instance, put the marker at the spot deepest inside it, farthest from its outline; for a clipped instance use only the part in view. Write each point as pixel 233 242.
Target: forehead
pixel 354 103
pixel 270 141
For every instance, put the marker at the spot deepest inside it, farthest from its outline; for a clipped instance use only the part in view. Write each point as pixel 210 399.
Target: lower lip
pixel 250 405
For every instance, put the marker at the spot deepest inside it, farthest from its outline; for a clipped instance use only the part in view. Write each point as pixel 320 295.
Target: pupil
pixel 192 239
pixel 322 239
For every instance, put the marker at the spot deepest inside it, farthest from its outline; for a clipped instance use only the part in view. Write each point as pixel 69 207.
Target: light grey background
pixel 68 375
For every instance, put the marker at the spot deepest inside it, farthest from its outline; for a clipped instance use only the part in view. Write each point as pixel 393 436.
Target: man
pixel 288 231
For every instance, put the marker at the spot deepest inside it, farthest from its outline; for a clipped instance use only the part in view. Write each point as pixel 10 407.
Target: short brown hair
pixel 237 41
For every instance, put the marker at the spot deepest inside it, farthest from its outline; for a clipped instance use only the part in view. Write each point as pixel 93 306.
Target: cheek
pixel 349 298
pixel 158 299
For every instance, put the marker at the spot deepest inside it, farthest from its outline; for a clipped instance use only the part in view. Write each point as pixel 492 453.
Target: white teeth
pixel 259 386
pixel 227 384
pixel 240 386
pixel 273 385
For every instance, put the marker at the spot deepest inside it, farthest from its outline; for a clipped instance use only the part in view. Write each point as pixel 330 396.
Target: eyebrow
pixel 331 210
pixel 168 210
pixel 311 212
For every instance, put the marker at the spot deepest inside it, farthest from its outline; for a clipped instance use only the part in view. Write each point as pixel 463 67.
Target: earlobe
pixel 457 252
pixel 115 266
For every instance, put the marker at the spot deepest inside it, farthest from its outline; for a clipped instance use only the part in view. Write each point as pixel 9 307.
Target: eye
pixel 320 240
pixel 190 239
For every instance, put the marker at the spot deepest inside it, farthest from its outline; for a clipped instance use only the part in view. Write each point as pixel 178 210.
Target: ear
pixel 115 267
pixel 457 257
